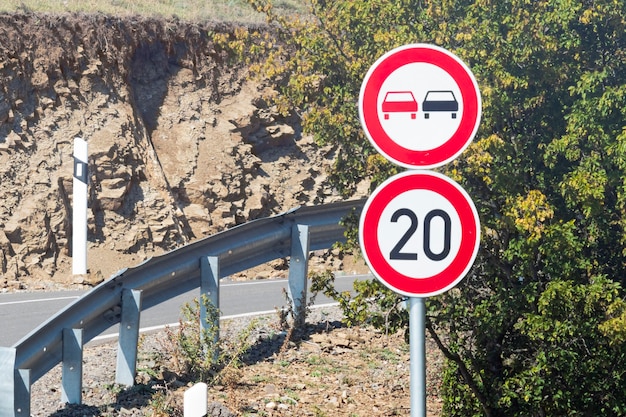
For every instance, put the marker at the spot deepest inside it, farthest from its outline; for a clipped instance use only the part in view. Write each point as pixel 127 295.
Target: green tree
pixel 537 328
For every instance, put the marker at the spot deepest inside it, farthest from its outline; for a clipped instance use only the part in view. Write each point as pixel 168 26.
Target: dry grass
pixel 190 10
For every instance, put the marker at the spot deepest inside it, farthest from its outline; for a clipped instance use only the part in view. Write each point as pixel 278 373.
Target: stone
pixel 216 409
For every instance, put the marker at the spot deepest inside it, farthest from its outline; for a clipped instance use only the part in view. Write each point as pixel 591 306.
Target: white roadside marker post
pixel 196 401
pixel 79 208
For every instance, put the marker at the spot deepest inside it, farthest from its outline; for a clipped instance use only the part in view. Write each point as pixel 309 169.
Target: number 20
pixel 397 254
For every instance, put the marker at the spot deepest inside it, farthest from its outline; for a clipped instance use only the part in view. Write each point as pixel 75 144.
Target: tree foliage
pixel 538 327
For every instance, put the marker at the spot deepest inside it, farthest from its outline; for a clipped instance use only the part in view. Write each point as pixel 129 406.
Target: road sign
pixel 420 106
pixel 419 232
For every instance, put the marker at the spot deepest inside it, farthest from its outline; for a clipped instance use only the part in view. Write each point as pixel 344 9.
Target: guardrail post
pixel 22 392
pixel 298 271
pixel 210 286
pixel 14 386
pixel 72 369
pixel 128 338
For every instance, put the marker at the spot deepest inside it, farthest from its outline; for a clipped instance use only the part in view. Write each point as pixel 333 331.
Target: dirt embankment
pixel 181 143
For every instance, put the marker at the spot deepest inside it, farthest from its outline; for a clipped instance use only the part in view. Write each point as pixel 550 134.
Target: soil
pixel 326 370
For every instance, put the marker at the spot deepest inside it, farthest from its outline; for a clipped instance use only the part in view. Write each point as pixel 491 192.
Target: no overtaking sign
pixel 419 106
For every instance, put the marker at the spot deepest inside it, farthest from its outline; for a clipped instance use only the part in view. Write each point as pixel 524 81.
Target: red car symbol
pixel 399 102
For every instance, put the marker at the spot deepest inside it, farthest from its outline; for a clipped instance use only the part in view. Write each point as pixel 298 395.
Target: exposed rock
pixel 181 142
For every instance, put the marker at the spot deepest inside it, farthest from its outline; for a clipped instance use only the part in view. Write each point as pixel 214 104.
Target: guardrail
pixel 120 299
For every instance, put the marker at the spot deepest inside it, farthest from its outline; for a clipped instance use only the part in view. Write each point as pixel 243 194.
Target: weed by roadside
pixel 191 353
pixel 331 371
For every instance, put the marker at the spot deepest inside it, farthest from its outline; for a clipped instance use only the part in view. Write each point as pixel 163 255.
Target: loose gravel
pixel 332 371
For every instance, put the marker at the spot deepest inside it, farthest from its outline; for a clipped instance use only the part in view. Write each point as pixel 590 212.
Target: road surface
pixel 20 313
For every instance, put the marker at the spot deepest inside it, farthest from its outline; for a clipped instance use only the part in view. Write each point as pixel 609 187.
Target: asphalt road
pixel 20 313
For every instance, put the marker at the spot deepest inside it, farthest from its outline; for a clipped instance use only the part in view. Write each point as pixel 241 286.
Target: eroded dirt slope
pixel 181 143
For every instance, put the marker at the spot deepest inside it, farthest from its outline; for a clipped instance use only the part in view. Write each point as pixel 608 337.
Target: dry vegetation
pixel 190 10
pixel 326 370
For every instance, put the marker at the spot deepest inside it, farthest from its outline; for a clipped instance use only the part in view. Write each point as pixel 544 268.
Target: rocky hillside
pixel 181 143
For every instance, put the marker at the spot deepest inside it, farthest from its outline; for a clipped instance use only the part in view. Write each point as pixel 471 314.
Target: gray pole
pixel 298 271
pixel 417 340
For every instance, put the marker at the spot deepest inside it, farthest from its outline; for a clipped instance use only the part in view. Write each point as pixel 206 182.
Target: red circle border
pixel 370 120
pixel 470 225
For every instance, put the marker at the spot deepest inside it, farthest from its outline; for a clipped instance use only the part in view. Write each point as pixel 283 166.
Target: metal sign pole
pixel 417 340
pixel 450 213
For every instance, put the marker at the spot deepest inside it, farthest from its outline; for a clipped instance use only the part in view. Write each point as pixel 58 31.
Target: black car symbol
pixel 440 101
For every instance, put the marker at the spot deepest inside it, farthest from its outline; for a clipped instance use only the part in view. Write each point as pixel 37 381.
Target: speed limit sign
pixel 420 232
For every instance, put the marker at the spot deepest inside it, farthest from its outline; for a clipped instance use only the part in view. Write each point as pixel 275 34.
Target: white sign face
pixel 428 129
pixel 421 226
pixel 419 232
pixel 420 106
